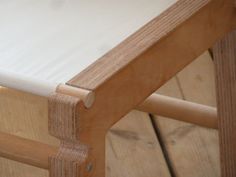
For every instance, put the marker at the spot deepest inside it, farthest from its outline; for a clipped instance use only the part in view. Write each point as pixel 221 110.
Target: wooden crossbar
pixel 37 154
pixel 177 109
pixel 86 96
pixel 173 108
pixel 26 151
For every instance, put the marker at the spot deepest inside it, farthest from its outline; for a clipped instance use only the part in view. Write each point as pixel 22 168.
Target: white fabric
pixel 46 42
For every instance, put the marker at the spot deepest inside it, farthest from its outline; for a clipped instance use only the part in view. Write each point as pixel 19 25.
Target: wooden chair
pixel 97 61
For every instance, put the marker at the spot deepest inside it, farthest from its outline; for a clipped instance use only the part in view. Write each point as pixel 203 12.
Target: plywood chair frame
pixel 225 58
pixel 81 113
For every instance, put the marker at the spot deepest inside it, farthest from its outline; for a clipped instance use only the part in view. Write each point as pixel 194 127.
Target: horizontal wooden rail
pixel 177 109
pixel 86 96
pixel 35 153
pixel 25 151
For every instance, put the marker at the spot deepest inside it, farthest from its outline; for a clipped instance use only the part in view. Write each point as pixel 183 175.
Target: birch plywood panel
pixel 132 148
pixel 192 150
pixel 23 115
pixel 224 55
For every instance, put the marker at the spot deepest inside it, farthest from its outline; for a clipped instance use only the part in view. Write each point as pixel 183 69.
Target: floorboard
pixel 133 149
pixel 193 151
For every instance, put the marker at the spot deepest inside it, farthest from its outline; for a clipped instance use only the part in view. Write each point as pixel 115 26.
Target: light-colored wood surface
pixel 97 120
pixel 37 154
pixel 140 45
pixel 130 152
pixel 225 62
pixel 193 151
pixel 133 149
pixel 181 110
pixel 63 120
pixel 24 115
pixel 113 91
pixel 153 44
pixel 86 96
pixel 26 151
pixel 168 44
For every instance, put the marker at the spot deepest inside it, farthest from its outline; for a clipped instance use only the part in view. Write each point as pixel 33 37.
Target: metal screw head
pixel 89 167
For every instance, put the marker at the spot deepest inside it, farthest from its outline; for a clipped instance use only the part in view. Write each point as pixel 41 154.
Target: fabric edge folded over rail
pixel 25 83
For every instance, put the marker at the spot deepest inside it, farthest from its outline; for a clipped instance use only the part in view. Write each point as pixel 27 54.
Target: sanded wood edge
pixel 73 158
pixel 86 96
pixel 66 161
pixel 122 89
pixel 26 151
pixel 140 78
pixel 225 62
pixel 136 44
pixel 69 160
pixel 37 154
pixel 63 116
pixel 181 110
pixel 63 124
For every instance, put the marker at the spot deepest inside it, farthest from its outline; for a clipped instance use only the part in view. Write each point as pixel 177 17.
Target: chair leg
pixel 225 61
pixel 74 158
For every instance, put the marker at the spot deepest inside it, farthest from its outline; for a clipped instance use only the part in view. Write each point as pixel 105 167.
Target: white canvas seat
pixel 44 43
pixel 97 60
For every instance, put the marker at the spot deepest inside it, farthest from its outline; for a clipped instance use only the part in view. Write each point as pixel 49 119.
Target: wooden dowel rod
pixel 177 109
pixel 86 96
pixel 36 153
pixel 25 151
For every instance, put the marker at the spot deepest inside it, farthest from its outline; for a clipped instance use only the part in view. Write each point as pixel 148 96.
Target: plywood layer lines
pixel 134 148
pixel 130 152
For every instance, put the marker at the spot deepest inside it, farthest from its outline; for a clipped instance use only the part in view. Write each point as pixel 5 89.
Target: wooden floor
pixel 140 145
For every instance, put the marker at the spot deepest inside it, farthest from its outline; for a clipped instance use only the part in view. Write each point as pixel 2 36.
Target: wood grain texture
pixel 132 149
pixel 63 124
pixel 137 44
pixel 73 159
pixel 130 152
pixel 192 150
pixel 162 64
pixel 181 110
pixel 85 95
pixel 28 120
pixel 225 63
pixel 68 161
pixel 123 89
pixel 142 41
pixel 126 76
pixel 63 116
pixel 26 151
